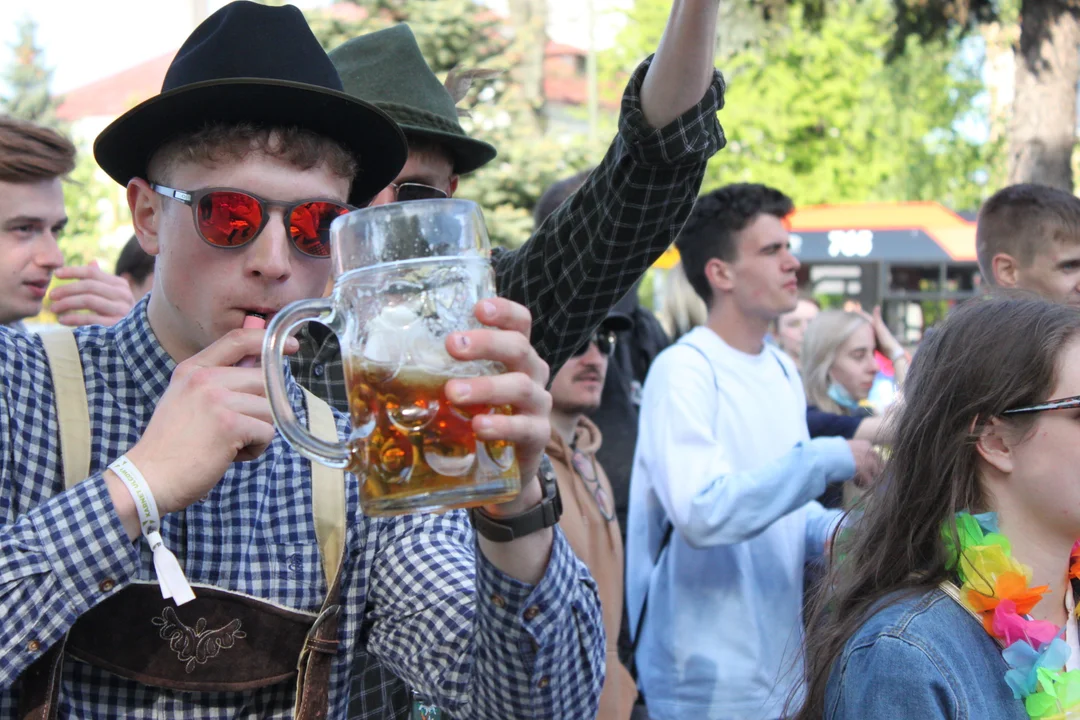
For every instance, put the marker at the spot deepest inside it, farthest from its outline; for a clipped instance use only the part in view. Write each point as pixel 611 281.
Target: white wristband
pixel 170 575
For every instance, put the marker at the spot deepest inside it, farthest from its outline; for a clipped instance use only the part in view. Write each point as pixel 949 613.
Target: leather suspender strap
pixel 72 410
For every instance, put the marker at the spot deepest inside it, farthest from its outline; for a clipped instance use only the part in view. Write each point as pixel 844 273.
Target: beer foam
pixel 399 336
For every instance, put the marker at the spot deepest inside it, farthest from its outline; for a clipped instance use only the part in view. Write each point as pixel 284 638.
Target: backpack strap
pixel 72 411
pixel 327 491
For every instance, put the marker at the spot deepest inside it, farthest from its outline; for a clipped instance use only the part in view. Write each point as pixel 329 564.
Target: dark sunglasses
pixel 605 343
pixel 585 465
pixel 228 218
pixel 405 192
pixel 1063 404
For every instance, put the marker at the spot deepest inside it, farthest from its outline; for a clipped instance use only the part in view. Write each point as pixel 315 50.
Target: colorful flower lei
pixel 995 587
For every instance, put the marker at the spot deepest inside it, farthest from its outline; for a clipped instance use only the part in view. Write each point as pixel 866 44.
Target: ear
pixel 720 275
pixel 453 184
pixel 994 446
pixel 146 209
pixel 1006 270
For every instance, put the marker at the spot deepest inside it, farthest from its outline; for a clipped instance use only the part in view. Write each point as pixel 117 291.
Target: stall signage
pixel 851 243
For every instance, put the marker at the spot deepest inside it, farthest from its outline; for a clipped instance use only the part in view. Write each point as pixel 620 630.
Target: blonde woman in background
pixel 838 370
pixel 683 310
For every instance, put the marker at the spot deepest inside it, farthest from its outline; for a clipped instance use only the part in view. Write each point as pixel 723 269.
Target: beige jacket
pixel 598 543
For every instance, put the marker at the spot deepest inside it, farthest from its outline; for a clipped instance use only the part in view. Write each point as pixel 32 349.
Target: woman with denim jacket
pixel 952 595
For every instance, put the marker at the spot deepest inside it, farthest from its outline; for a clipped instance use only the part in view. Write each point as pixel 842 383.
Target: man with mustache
pixel 589 519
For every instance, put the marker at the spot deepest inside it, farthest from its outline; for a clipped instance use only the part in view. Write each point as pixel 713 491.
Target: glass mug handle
pixel 335 455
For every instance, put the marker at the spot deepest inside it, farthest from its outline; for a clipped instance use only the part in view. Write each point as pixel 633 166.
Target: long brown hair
pixel 989 356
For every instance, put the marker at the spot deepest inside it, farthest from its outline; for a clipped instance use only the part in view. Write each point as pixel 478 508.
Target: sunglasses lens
pixel 414 191
pixel 229 219
pixel 309 226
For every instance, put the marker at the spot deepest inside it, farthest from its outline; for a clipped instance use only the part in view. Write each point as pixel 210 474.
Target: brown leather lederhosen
pixel 221 640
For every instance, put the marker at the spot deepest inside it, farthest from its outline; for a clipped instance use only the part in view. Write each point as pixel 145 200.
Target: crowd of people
pixel 716 520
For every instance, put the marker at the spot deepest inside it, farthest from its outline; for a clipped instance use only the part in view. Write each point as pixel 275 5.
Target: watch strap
pixel 544 515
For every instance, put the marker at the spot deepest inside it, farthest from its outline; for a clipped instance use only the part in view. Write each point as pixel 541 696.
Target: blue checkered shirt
pixel 441 616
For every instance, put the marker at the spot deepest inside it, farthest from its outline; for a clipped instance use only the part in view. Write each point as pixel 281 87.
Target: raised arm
pixel 591 251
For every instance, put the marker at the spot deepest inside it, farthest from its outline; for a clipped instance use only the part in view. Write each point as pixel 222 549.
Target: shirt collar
pixel 145 359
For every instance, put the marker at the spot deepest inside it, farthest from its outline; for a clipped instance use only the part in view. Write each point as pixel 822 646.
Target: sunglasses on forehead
pixel 1068 403
pixel 605 343
pixel 228 218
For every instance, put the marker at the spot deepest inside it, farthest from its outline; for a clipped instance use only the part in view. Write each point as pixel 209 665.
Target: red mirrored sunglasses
pixel 228 218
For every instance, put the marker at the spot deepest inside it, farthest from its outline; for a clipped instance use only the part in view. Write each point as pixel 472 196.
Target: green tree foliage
pixel 816 109
pixel 28 81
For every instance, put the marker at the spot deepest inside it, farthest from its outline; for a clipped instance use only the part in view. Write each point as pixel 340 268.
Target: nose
pixel 47 253
pixel 791 262
pixel 385 197
pixel 270 254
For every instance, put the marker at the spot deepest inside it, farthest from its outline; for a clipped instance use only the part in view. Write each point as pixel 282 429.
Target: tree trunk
pixel 1043 128
pixel 529 18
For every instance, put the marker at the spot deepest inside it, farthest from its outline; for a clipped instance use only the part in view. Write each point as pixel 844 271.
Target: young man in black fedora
pixel 259 569
pixel 593 249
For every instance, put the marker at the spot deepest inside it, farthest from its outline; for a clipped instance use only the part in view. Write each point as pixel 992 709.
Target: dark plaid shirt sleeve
pixel 483 645
pixel 592 250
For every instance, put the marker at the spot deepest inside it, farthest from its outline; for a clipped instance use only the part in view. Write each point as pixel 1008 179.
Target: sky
pixel 85 40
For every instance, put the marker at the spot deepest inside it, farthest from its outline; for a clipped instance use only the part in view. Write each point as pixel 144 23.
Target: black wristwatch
pixel 544 515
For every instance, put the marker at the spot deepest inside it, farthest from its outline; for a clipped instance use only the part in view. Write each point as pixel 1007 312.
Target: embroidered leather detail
pixel 196 644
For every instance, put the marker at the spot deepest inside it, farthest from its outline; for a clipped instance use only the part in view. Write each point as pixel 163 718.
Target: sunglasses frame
pixel 610 338
pixel 191 198
pixel 443 195
pixel 1068 403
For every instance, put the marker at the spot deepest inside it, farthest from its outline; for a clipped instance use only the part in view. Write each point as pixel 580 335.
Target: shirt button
pixel 318 370
pixel 33 646
pixel 106 585
pixel 498 601
pixel 544 682
pixel 532 612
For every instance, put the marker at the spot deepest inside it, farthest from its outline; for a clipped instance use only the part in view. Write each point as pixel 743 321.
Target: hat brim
pixel 125 147
pixel 468 154
pixel 617 322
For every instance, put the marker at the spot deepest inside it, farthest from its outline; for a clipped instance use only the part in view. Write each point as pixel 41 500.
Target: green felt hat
pixel 386 69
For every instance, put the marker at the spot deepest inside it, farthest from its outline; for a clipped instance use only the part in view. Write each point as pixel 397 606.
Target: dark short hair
pixel 556 195
pixel 31 153
pixel 134 261
pixel 1022 221
pixel 717 218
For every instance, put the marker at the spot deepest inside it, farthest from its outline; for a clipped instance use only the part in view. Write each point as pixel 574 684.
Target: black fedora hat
pixel 387 69
pixel 249 63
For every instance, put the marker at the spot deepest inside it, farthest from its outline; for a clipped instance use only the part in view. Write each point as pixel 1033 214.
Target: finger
pixel 525 431
pixel 504 314
pixel 250 403
pixel 95 303
pixel 81 319
pixel 509 348
pixel 80 272
pixel 514 389
pixel 234 346
pixel 107 288
pixel 258 435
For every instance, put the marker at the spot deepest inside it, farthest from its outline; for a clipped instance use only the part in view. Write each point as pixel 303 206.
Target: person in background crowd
pixel 682 310
pixel 137 267
pixel 589 519
pixel 33 163
pixel 722 513
pixel 790 328
pixel 839 368
pixel 637 347
pixel 954 596
pixel 1027 237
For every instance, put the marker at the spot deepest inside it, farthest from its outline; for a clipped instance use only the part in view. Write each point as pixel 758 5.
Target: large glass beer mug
pixel 406 275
